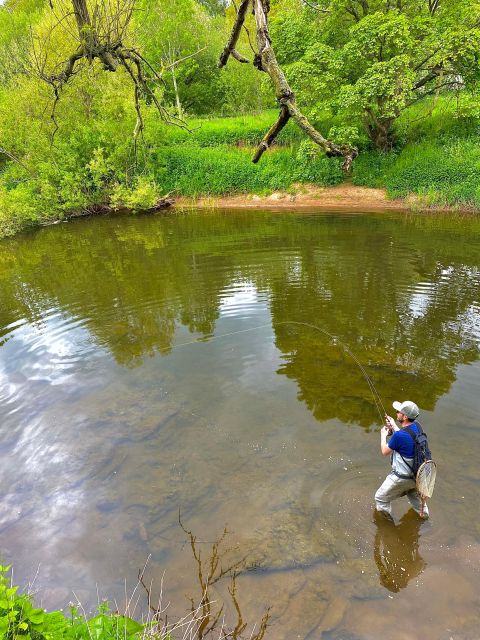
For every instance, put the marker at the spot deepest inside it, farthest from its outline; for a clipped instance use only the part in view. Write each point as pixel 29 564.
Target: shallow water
pixel 150 365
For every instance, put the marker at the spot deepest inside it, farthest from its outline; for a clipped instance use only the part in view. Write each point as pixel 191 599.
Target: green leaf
pixel 129 625
pixel 36 616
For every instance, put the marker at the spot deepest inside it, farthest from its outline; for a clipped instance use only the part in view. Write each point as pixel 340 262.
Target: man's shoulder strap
pixel 412 433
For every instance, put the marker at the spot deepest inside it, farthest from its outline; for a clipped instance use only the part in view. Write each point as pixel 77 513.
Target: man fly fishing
pixel 401 480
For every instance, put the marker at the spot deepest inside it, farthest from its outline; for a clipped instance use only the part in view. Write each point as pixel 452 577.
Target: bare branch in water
pixel 206 617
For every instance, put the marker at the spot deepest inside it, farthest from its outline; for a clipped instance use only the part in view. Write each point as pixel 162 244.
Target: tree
pixel 99 31
pixel 372 59
pixel 16 17
pixel 265 60
pixel 179 37
pixel 215 7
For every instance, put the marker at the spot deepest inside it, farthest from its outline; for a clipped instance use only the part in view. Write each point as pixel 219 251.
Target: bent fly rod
pixel 335 340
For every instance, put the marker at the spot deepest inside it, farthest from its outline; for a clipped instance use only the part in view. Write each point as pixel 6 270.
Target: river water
pixel 152 365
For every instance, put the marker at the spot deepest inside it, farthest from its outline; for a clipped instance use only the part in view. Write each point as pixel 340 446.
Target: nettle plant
pixel 20 620
pixel 371 59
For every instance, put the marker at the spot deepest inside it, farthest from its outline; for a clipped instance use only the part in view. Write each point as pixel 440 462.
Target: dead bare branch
pixel 316 7
pixel 272 133
pixel 237 27
pixel 180 60
pixel 265 60
pixel 238 56
pixel 99 29
pixel 14 158
pixel 210 571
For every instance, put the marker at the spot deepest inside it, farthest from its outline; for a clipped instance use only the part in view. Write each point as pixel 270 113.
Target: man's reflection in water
pixel 396 550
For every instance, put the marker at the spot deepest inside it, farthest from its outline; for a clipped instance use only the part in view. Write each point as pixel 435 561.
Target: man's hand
pixel 390 424
pixel 385 431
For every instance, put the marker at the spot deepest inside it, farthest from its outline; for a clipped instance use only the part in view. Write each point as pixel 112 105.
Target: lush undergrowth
pixel 245 130
pixel 435 158
pixel 225 170
pixel 439 173
pixel 21 620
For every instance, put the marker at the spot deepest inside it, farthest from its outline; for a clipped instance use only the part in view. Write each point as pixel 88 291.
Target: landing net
pixel 426 476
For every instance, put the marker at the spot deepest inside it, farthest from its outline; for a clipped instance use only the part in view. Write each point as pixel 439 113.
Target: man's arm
pixel 385 449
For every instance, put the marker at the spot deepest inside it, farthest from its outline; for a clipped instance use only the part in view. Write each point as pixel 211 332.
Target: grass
pixel 227 170
pixel 435 161
pixel 245 130
pixel 435 158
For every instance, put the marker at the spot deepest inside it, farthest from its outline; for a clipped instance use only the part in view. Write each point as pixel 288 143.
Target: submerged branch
pixel 211 570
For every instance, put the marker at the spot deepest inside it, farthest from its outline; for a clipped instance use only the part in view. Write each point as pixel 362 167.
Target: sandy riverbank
pixel 344 196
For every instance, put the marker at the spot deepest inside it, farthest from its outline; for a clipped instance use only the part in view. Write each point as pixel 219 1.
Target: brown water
pixel 110 423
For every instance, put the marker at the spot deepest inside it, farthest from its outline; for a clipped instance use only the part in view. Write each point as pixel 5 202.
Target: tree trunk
pixel 265 60
pixel 379 131
pixel 89 38
pixel 177 95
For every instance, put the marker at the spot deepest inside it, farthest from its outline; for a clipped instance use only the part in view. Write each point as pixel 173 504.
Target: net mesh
pixel 426 476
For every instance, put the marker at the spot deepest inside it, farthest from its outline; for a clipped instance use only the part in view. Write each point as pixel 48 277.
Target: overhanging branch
pixel 265 60
pixel 232 41
pixel 272 133
pixel 99 29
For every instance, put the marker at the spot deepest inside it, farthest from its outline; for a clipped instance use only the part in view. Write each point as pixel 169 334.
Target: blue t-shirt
pixel 402 441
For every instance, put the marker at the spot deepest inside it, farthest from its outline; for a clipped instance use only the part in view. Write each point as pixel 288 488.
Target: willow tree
pixel 265 60
pixel 99 32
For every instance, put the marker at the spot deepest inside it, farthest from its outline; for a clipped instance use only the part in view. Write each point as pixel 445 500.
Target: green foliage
pixel 373 60
pixel 439 161
pixel 185 38
pixel 222 170
pixel 16 17
pixel 245 130
pixel 355 71
pixel 143 194
pixel 20 620
pixel 345 135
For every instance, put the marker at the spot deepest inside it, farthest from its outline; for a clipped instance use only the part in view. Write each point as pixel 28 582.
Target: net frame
pixel 425 480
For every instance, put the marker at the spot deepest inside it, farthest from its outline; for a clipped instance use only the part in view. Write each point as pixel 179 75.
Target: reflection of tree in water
pixel 133 281
pixel 410 343
pixel 395 550
pixel 127 280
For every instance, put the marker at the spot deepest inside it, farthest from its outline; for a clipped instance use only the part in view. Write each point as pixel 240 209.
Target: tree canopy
pixel 373 59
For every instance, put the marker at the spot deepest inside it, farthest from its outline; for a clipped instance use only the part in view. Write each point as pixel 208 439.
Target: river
pixel 157 365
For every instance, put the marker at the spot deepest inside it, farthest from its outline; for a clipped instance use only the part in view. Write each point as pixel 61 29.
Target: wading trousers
pixel 394 487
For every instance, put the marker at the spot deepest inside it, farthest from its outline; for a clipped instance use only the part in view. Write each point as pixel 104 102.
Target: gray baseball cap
pixel 407 407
